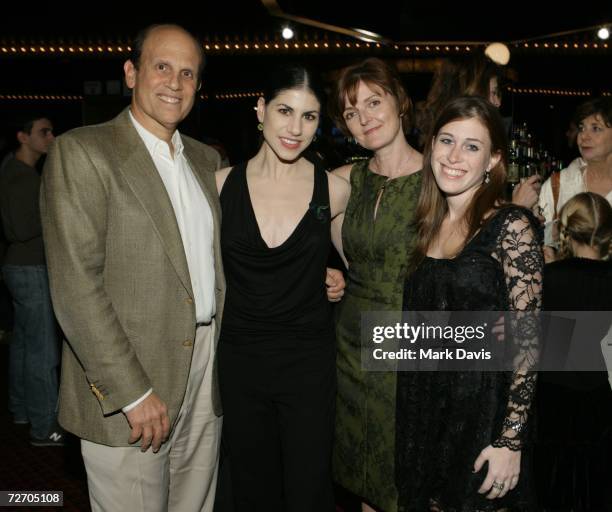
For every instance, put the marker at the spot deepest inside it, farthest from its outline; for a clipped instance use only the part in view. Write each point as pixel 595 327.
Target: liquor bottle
pixel 513 163
pixel 530 162
pixel 512 175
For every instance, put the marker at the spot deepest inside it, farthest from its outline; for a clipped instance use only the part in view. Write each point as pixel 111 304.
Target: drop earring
pixel 487 176
pixel 260 127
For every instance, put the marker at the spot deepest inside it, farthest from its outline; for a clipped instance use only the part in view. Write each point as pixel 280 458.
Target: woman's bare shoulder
pixel 343 172
pixel 220 176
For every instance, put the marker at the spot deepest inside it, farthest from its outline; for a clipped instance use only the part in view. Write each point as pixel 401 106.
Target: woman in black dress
pixel 574 409
pixel 277 349
pixel 459 437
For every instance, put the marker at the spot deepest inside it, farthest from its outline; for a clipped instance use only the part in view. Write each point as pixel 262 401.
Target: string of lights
pixel 548 91
pixel 225 96
pixel 106 49
pixel 44 49
pixel 75 97
pixel 41 97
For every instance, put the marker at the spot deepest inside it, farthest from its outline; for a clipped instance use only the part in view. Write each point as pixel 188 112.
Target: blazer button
pixel 187 343
pixel 188 300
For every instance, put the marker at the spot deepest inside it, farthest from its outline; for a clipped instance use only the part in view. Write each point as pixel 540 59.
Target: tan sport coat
pixel 119 278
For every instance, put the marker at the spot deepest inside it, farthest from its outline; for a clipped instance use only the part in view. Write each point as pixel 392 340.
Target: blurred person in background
pixel 477 76
pixel 34 349
pixel 591 172
pixel 574 409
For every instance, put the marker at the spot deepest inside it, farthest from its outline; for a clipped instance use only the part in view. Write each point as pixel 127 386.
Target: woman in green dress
pixel 371 105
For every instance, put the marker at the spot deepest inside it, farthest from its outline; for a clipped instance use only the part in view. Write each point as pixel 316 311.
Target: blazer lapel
pixel 141 174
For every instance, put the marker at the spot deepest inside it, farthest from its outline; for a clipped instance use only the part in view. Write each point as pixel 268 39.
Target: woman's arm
pixel 520 252
pixel 343 172
pixel 339 193
pixel 220 176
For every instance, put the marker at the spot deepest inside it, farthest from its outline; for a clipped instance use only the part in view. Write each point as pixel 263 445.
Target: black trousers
pixel 279 405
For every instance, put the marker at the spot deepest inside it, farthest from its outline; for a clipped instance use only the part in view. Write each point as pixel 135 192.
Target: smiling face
pixel 290 121
pixel 165 82
pixel 374 120
pixel 594 139
pixel 461 152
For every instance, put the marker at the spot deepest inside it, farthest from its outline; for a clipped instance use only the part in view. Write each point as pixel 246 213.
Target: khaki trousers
pixel 182 475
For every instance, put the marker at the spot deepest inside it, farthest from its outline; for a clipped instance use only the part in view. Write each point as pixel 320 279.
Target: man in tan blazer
pixel 131 226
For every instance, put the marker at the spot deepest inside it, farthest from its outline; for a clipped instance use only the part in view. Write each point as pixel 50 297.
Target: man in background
pixel 33 349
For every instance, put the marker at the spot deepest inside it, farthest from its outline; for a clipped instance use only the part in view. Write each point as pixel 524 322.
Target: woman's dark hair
pixel 293 76
pixel 597 106
pixel 456 78
pixel 432 205
pixel 373 72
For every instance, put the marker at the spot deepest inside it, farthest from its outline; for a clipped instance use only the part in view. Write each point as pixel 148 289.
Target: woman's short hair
pixel 597 106
pixel 373 72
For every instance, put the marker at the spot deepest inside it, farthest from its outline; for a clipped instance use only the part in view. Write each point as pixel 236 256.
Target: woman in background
pixel 476 76
pixel 574 409
pixel 592 171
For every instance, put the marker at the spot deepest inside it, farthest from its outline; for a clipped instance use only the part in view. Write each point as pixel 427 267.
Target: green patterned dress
pixel 377 252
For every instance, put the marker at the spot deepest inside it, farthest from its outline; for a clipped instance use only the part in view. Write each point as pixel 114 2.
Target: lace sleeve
pixel 520 252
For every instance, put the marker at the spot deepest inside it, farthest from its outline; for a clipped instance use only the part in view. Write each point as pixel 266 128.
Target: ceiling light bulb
pixel 287 33
pixel 603 33
pixel 498 53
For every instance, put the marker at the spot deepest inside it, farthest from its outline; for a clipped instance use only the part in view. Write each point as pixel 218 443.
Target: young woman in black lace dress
pixel 459 435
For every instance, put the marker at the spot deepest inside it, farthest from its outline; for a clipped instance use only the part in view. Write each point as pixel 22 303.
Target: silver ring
pixel 499 486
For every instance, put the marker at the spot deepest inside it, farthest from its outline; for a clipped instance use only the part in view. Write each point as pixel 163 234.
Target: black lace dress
pixel 445 419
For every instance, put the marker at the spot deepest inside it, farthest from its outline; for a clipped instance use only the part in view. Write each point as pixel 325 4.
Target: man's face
pixel 39 139
pixel 166 81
